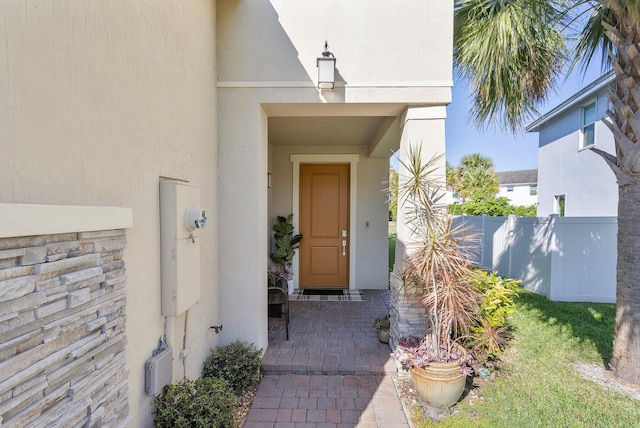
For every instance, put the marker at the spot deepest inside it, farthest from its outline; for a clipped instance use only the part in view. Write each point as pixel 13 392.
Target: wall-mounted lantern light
pixel 326 69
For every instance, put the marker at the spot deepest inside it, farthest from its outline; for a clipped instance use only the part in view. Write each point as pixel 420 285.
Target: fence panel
pixel 584 259
pixel 565 259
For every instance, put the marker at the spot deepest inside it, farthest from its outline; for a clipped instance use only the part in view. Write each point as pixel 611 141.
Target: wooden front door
pixel 324 222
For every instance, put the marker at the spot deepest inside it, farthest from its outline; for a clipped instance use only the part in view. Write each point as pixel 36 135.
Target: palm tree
pixel 511 52
pixel 452 177
pixel 475 160
pixel 474 178
pixel 479 183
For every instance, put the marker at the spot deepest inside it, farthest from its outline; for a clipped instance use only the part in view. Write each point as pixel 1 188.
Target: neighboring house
pixel 103 101
pixel 452 197
pixel 573 181
pixel 520 187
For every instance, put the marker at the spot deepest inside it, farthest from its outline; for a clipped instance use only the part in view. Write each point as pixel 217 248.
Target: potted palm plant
pixel 438 269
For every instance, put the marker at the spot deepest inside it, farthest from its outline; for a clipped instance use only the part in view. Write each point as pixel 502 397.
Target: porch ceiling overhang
pixel 376 126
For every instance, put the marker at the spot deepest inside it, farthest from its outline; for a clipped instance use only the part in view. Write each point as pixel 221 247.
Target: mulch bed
pixel 414 404
pixel 243 404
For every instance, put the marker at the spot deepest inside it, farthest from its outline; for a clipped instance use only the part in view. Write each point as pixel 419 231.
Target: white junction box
pixel 158 372
pixel 181 224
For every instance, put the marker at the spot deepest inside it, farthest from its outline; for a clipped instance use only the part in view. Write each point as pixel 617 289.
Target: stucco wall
pixel 100 99
pixel 581 175
pixel 373 40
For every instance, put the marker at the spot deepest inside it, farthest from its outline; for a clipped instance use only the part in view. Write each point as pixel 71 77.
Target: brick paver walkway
pixel 332 372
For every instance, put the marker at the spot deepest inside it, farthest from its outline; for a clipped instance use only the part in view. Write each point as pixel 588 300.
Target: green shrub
pixel 497 296
pixel 525 210
pixel 203 402
pixel 493 207
pixel 238 363
pixel 490 336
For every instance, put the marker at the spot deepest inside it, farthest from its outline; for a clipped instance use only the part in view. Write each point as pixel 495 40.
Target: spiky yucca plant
pixel 438 264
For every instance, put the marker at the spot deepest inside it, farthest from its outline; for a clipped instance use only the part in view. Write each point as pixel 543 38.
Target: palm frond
pixel 592 41
pixel 511 53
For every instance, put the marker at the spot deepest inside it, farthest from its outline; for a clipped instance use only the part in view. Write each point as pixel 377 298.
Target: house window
pixel 509 188
pixel 560 202
pixel 588 125
pixel 533 189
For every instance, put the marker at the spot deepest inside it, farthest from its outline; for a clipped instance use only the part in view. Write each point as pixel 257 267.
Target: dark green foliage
pixel 203 402
pixel 238 363
pixel 491 206
pixel 286 241
pixel 392 193
pixel 393 210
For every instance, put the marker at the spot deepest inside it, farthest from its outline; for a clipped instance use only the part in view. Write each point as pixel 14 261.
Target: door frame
pixel 352 160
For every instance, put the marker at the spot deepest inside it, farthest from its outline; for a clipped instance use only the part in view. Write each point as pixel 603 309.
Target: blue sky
pixel 508 152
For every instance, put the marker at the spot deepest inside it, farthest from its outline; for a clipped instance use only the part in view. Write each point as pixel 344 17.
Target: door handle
pixel 344 247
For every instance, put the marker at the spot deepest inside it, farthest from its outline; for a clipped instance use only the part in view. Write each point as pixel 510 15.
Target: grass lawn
pixel 537 385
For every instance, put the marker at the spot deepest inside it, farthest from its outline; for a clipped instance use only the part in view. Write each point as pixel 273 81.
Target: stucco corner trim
pixel 30 219
pixel 424 113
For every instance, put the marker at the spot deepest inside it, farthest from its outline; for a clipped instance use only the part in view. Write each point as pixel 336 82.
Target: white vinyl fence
pixel 568 259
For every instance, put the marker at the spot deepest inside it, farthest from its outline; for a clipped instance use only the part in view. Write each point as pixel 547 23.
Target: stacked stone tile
pixel 62 330
pixel 408 317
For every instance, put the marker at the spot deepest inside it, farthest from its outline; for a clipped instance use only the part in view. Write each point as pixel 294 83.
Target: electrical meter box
pixel 181 224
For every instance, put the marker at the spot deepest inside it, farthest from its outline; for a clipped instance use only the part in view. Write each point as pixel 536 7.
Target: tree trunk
pixel 625 363
pixel 625 125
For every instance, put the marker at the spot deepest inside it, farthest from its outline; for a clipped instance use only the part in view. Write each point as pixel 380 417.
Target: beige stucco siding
pixel 100 99
pixel 373 40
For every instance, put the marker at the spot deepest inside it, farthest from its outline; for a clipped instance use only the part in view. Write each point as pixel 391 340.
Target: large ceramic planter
pixel 439 384
pixel 383 336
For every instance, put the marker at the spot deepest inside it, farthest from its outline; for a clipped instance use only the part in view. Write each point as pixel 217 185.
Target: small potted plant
pixel 278 273
pixel 382 326
pixel 286 244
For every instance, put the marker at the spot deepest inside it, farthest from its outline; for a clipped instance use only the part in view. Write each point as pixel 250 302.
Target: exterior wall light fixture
pixel 326 69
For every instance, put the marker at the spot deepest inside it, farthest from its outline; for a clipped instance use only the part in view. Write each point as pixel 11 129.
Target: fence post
pixel 511 222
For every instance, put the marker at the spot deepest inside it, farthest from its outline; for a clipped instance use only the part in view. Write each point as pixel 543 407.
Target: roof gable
pixel 522 176
pixel 577 98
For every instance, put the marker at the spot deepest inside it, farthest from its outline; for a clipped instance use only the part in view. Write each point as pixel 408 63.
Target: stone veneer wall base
pixel 408 317
pixel 62 330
